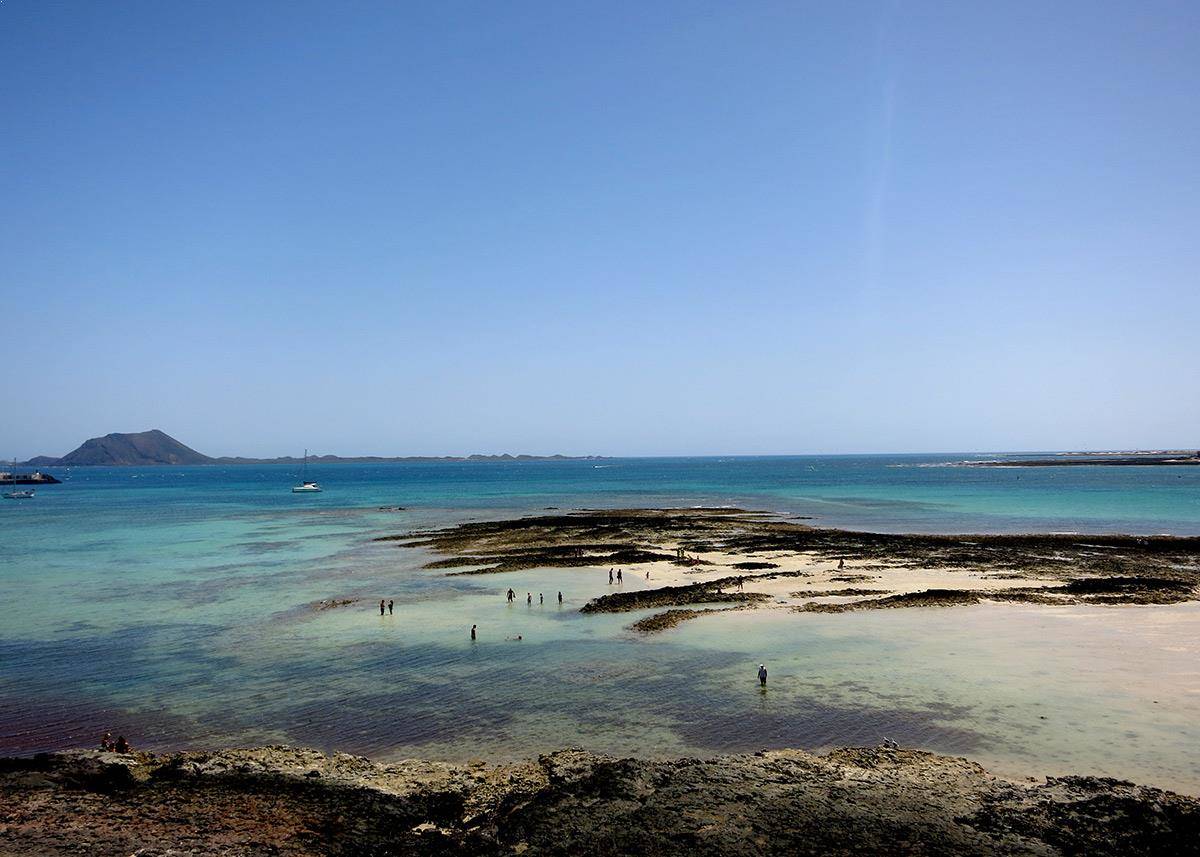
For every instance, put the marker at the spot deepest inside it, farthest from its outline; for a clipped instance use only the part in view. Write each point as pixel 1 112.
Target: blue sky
pixel 664 228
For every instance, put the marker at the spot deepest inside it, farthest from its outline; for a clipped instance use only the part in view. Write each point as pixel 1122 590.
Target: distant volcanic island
pixel 146 448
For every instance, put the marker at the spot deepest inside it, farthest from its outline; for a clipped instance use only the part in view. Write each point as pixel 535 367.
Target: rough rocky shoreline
pixel 290 801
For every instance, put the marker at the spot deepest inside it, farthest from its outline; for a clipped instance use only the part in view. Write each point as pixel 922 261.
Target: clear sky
pixel 653 228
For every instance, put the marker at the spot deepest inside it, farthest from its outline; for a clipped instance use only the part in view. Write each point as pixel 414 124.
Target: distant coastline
pixel 1098 459
pixel 155 447
pixel 381 459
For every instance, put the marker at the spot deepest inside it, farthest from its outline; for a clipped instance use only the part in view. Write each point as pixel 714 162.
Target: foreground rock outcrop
pixel 287 801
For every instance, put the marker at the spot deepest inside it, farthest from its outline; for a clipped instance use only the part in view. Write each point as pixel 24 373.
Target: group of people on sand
pixel 512 596
pixel 620 578
pixel 108 745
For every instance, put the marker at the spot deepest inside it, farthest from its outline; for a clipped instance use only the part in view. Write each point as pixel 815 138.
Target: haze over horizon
pixel 317 453
pixel 568 228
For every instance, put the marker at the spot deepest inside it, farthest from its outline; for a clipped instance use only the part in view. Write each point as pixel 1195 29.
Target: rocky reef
pixel 626 536
pixel 288 801
pixel 901 570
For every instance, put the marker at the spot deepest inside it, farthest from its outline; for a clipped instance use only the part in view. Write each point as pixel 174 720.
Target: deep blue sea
pixel 174 605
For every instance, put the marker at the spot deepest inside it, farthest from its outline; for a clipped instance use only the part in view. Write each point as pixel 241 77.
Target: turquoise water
pixel 174 605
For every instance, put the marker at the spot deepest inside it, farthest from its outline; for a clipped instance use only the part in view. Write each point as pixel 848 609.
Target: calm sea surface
pixel 172 604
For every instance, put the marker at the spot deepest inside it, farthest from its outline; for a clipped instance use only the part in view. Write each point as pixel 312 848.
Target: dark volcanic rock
pixel 287 801
pixel 1099 590
pixel 1141 569
pixel 671 596
pixel 670 618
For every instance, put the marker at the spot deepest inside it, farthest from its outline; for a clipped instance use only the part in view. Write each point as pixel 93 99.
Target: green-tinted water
pixel 174 605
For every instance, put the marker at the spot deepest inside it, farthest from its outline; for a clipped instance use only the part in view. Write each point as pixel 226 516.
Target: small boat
pixel 306 486
pixel 26 494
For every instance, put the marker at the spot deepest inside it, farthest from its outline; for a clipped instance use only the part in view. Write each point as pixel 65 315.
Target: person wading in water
pixel 762 675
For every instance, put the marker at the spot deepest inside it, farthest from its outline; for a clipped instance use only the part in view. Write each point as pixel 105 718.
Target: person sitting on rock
pixel 106 742
pixel 122 746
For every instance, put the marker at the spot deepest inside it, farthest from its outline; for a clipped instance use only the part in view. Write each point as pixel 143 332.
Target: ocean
pixel 174 605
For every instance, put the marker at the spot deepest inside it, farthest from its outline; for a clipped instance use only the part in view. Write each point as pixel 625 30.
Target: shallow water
pixel 173 605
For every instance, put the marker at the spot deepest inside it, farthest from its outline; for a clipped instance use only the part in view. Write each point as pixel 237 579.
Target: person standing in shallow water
pixel 762 675
pixel 529 598
pixel 610 575
pixel 619 578
pixel 541 599
pixel 472 633
pixel 560 597
pixel 380 606
pixel 389 607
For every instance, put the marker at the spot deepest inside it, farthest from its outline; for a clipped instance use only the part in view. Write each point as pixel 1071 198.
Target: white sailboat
pixel 16 493
pixel 306 486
